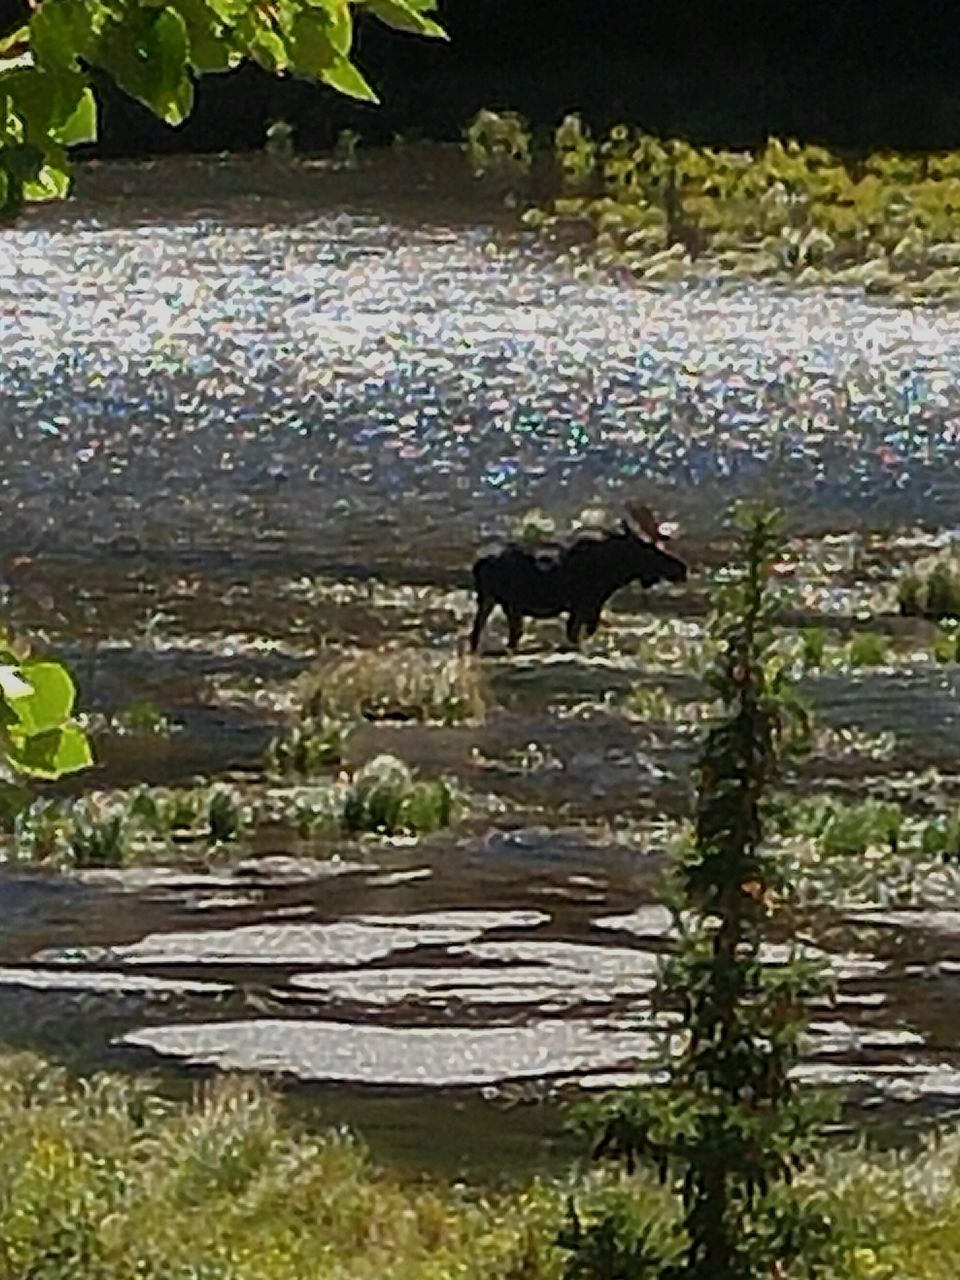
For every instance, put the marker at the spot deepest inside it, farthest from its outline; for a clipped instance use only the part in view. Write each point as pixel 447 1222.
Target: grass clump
pixel 868 649
pixel 139 720
pixel 812 652
pixel 116 829
pixel 215 814
pixel 931 590
pixel 396 684
pixel 99 833
pixel 874 853
pixel 384 797
pixel 652 704
pixel 946 643
pixel 843 829
pixel 312 745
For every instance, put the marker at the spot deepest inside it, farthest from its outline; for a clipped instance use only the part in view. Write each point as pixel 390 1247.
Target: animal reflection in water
pixel 576 578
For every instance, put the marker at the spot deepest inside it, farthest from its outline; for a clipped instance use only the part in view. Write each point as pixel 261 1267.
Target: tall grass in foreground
pixel 102 1180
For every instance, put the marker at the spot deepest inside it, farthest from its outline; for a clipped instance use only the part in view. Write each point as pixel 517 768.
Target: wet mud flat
pixel 425 990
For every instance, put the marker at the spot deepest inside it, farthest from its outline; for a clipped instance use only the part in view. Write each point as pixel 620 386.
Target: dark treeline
pixel 852 74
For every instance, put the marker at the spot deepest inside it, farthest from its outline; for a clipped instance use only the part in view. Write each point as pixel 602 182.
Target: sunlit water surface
pixel 349 387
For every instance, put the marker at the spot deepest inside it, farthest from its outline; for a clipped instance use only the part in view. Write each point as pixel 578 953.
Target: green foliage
pixel 312 745
pixel 118 828
pixel 656 205
pixel 813 641
pixel 730 1130
pixel 104 1180
pixel 39 736
pixel 931 590
pixel 843 829
pixel 871 853
pixel 345 149
pixel 99 834
pixel 279 140
pixel 946 643
pixel 498 143
pixel 214 814
pixel 576 152
pixel 155 52
pixel 868 649
pixel 383 797
pixel 621 1239
pixel 225 815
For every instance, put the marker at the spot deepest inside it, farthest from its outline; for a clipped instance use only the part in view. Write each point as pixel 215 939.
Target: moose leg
pixel 574 623
pixel 515 625
pixel 485 606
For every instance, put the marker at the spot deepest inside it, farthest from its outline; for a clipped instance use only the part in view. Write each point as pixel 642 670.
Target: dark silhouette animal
pixel 577 578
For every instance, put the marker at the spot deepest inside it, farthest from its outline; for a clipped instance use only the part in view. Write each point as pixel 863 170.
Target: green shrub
pixel 841 830
pixel 931 590
pixel 99 834
pixel 103 1180
pixel 621 1237
pixel 383 797
pixel 498 143
pixel 314 744
pixel 813 645
pixel 941 838
pixel 225 815
pixel 946 643
pixel 868 649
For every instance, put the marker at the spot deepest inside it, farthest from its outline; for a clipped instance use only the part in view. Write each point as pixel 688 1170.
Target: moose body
pixel 576 579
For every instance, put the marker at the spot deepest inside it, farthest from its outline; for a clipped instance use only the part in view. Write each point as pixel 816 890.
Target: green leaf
pixel 404 16
pixel 51 754
pixel 14 44
pixel 60 30
pixel 22 162
pixel 229 11
pixel 147 56
pixel 340 28
pixel 81 126
pixel 33 95
pixel 51 700
pixel 211 47
pixel 312 50
pixel 267 48
pixel 343 76
pixel 53 182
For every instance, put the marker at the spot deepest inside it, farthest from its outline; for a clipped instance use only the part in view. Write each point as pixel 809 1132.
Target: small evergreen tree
pixel 730 1129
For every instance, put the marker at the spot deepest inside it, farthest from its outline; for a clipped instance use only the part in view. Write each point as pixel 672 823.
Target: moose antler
pixel 642 521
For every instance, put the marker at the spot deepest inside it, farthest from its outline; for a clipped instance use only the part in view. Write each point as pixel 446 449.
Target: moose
pixel 577 578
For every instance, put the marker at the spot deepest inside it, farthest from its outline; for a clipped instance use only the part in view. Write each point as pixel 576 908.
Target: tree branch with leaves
pixel 155 50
